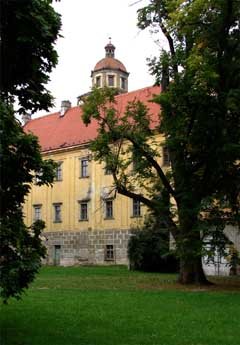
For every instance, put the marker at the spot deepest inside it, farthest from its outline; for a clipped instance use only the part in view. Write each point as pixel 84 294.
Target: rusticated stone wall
pixel 67 248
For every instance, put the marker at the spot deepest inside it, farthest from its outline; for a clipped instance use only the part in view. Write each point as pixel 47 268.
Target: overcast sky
pixel 86 27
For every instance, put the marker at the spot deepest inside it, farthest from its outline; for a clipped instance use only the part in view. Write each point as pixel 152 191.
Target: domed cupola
pixel 110 72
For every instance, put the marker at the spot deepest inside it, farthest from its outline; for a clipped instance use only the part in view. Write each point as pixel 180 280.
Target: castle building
pixel 86 220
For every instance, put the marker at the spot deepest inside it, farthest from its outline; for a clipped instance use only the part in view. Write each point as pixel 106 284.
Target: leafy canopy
pixel 29 29
pixel 200 121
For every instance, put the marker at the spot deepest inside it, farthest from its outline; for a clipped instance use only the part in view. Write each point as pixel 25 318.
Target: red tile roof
pixel 56 132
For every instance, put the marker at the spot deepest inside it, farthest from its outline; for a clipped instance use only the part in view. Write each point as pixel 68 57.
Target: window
pixel 109 252
pixel 111 80
pixel 57 213
pixel 37 212
pixel 59 172
pixel 57 255
pixel 123 83
pixel 83 211
pixel 84 167
pixel 109 209
pixel 98 81
pixel 136 210
pixel 166 156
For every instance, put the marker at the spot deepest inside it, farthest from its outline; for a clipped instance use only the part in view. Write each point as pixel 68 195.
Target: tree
pixel 28 31
pixel 200 121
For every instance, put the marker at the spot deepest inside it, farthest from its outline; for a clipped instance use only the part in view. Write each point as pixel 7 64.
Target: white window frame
pixel 84 168
pixel 123 83
pixel 113 76
pixel 57 215
pixel 37 212
pixel 83 214
pixel 98 78
pixel 109 253
pixel 59 172
pixel 108 215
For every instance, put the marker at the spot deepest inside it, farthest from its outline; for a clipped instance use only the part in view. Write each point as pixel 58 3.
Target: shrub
pixel 148 249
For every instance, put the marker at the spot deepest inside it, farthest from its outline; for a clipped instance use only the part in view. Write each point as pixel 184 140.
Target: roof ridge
pixel 135 91
pixel 56 133
pixel 117 97
pixel 51 114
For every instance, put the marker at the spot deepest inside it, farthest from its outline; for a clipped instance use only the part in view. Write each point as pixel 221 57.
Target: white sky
pixel 86 26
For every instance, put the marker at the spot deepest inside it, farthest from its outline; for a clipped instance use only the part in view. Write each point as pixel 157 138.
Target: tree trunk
pixel 189 246
pixel 191 272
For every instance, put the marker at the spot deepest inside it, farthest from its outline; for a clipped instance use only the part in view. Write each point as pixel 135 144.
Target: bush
pixel 148 250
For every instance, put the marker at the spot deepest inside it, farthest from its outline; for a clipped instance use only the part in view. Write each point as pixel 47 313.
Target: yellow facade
pixel 70 192
pixel 72 189
pixel 86 220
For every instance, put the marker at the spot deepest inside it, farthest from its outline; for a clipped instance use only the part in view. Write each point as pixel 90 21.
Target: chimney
pixel 26 118
pixel 65 105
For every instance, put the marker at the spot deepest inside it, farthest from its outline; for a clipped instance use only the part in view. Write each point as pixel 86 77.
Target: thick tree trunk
pixel 191 272
pixel 189 245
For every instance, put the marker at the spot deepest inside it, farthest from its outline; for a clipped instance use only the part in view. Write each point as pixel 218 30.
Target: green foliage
pixel 199 115
pixel 29 29
pixel 21 250
pixel 148 248
pixel 200 121
pixel 20 161
pixel 21 254
pixel 126 144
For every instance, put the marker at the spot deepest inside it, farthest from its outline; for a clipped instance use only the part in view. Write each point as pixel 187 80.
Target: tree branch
pixel 157 167
pixel 152 204
pixel 171 45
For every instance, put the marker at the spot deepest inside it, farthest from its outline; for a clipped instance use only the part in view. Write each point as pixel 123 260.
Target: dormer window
pixel 111 80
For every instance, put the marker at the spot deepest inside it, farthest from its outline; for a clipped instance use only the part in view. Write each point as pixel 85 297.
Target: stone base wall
pixel 67 248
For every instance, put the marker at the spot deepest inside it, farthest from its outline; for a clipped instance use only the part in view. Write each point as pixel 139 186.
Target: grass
pixel 112 306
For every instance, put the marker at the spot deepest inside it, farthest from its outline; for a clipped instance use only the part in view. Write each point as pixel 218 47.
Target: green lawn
pixel 112 306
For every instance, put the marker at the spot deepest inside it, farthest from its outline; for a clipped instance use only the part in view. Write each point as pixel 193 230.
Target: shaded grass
pixel 110 305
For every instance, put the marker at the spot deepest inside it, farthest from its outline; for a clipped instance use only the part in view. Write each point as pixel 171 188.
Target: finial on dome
pixel 109 48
